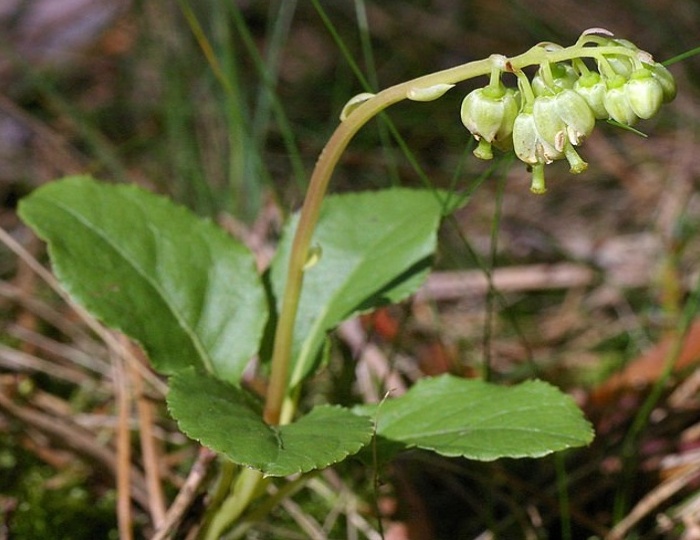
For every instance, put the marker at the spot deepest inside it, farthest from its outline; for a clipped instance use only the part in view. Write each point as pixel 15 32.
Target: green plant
pixel 191 296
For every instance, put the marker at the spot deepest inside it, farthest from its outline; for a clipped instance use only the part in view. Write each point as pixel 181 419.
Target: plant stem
pixel 327 161
pixel 246 487
pixel 318 185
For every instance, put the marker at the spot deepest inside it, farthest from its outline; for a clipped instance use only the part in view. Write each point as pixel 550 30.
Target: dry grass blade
pixel 651 501
pixel 187 494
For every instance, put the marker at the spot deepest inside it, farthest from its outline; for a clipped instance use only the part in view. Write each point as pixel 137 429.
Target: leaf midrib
pixel 182 323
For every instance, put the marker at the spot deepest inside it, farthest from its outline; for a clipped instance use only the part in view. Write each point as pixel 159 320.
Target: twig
pixel 653 499
pixel 47 313
pixel 442 286
pixel 150 452
pixel 123 436
pixel 19 361
pixel 186 495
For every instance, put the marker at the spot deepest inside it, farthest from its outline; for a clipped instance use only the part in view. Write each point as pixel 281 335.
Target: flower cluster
pixel 602 78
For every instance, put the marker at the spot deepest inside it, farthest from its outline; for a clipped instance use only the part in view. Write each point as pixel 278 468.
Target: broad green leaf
pixel 480 420
pixel 228 420
pixel 375 248
pixel 177 284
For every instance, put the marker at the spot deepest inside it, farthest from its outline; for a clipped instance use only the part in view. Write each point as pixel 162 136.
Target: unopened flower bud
pixel 666 80
pixel 617 104
pixel 644 93
pixel 529 145
pixel 591 88
pixel 576 114
pixel 564 117
pixel 488 113
pixel 621 64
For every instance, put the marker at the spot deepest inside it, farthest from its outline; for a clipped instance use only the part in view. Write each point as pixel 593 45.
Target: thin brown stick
pixel 660 494
pixel 123 437
pixel 372 364
pixel 441 286
pixel 150 451
pixel 186 495
pixel 19 361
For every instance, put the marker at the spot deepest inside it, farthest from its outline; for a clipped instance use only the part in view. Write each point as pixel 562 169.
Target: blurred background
pixel 225 105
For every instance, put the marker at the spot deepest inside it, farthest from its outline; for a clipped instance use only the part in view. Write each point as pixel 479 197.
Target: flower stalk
pixel 628 85
pixel 539 132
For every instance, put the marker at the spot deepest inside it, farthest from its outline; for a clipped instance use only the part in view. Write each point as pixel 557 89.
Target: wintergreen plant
pixel 190 294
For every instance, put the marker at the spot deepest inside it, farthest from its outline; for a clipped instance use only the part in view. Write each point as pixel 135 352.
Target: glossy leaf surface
pixel 480 420
pixel 177 284
pixel 375 248
pixel 228 420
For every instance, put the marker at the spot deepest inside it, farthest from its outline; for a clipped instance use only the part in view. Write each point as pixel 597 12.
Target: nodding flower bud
pixel 591 87
pixel 617 103
pixel 488 113
pixel 620 64
pixel 564 117
pixel 644 93
pixel 532 149
pixel 666 80
pixel 529 145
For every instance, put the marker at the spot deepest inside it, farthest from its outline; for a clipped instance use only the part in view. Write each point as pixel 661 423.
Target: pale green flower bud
pixel 488 113
pixel 535 150
pixel 565 117
pixel 666 80
pixel 547 121
pixel 576 115
pixel 644 94
pixel 617 103
pixel 592 88
pixel 621 65
pixel 529 146
pixel 530 149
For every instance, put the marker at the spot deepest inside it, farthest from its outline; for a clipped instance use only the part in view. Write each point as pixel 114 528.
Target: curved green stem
pixel 310 211
pixel 327 161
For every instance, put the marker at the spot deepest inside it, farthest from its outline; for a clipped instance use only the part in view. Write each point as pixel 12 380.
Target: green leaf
pixel 482 421
pixel 375 248
pixel 228 420
pixel 177 284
